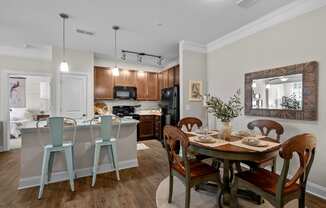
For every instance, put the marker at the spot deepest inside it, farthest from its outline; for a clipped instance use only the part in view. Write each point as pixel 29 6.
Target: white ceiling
pixel 202 21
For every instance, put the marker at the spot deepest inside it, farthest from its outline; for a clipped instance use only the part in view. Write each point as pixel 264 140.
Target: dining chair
pixel 266 127
pixel 278 189
pixel 190 123
pixel 56 128
pixel 107 140
pixel 190 172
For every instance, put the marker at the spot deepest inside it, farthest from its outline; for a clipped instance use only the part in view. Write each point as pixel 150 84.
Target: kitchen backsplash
pixel 145 105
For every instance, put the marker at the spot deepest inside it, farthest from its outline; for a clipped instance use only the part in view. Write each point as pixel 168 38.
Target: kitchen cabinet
pixel 170 77
pixel 149 127
pixel 165 78
pixel 125 78
pixel 142 85
pixel 152 86
pixel 177 75
pixel 146 126
pixel 103 83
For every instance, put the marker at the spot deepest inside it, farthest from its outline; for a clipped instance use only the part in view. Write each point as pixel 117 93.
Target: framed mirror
pixel 288 92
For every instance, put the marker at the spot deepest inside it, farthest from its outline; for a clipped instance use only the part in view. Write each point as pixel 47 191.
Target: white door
pixel 73 95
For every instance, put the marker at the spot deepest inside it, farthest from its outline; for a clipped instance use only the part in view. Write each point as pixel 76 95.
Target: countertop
pixel 149 112
pixel 80 124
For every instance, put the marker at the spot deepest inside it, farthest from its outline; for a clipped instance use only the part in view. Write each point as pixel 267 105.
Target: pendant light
pixel 64 65
pixel 115 70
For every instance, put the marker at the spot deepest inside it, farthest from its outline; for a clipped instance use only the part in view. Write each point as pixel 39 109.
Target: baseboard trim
pixel 63 176
pixel 316 190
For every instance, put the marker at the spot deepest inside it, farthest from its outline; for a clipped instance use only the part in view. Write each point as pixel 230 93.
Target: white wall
pixel 79 62
pixel 299 40
pixel 192 67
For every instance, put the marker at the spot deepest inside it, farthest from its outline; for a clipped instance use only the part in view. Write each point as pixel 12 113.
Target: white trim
pixel 282 14
pixel 181 79
pixel 192 46
pixel 317 190
pixel 63 176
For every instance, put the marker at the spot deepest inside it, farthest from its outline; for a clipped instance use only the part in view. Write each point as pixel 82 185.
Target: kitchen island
pixel 34 139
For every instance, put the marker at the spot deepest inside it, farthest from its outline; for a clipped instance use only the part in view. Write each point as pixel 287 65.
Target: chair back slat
pixel 106 127
pixel 173 139
pixel 189 123
pixel 266 126
pixel 304 145
pixel 56 125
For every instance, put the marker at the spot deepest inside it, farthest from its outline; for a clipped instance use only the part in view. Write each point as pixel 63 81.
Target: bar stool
pixel 105 140
pixel 56 127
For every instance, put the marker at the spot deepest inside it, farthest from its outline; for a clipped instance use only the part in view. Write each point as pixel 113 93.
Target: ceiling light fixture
pixel 64 67
pixel 115 70
pixel 284 79
pixel 141 55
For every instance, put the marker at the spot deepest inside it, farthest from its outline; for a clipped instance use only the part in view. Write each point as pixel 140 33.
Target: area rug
pixel 142 146
pixel 199 199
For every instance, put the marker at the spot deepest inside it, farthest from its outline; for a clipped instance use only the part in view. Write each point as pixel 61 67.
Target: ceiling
pixel 151 26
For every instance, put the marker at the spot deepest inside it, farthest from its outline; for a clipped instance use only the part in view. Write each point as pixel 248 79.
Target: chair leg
pixel 73 162
pixel 234 191
pixel 69 160
pixel 115 160
pixel 274 166
pixel 302 199
pixel 50 166
pixel 170 188
pixel 45 164
pixel 188 189
pixel 95 164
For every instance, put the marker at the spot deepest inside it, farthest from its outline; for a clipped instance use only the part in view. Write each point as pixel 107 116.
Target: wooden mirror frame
pixel 309 109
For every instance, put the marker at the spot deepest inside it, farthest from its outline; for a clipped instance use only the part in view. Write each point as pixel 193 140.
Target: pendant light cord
pixel 115 47
pixel 64 38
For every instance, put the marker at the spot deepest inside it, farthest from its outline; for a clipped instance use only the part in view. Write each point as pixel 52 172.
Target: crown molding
pixel 278 16
pixel 192 46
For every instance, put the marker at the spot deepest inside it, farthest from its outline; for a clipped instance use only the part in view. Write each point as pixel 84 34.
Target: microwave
pixel 123 92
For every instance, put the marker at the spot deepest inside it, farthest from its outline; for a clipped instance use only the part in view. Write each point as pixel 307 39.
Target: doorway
pixel 29 99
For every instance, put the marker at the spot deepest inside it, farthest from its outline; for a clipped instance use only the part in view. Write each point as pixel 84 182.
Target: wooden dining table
pixel 229 154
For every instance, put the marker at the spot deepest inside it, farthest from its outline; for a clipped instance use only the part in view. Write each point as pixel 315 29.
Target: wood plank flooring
pixel 136 189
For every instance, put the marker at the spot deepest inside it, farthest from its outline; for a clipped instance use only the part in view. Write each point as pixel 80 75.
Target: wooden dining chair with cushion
pixel 275 188
pixel 266 127
pixel 190 172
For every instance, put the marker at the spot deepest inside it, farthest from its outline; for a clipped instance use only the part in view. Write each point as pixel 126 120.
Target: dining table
pixel 230 151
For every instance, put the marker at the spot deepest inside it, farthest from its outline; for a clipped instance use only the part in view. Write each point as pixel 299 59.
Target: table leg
pixel 225 194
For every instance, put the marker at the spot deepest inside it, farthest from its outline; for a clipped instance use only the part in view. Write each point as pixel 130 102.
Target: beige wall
pixel 299 40
pixel 192 67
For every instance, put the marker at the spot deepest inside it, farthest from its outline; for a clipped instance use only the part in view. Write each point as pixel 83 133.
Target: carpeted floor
pixel 199 199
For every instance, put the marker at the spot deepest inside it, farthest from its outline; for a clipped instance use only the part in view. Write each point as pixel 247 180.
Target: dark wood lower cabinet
pixel 149 127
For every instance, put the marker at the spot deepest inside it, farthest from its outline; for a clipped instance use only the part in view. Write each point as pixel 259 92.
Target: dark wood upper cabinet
pixel 170 77
pixel 126 78
pixel 165 79
pixel 103 83
pixel 152 86
pixel 176 75
pixel 141 84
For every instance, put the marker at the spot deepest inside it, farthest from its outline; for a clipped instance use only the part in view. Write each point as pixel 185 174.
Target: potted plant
pixel 225 111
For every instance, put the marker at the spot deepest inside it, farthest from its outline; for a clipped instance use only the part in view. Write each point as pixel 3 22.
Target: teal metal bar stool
pixel 105 139
pixel 56 128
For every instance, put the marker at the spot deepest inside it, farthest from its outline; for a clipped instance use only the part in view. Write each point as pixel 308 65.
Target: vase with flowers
pixel 225 111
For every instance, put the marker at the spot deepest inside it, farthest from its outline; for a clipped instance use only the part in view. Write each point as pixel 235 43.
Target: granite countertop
pixel 80 124
pixel 149 112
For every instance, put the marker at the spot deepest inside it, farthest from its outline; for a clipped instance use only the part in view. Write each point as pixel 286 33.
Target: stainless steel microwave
pixel 123 92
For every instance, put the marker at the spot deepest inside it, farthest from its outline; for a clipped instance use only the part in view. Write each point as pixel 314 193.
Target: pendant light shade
pixel 115 70
pixel 64 67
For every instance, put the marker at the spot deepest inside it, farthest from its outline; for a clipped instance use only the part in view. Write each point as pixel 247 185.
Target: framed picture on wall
pixel 17 90
pixel 195 90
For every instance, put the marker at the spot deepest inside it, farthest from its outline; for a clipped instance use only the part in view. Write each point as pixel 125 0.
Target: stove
pixel 125 110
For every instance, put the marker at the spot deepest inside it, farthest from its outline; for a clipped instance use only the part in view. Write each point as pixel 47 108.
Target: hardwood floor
pixel 136 189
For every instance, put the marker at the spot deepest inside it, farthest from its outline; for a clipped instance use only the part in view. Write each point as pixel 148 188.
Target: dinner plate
pixel 205 140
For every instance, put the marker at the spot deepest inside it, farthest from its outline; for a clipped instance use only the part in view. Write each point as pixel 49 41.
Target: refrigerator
pixel 170 107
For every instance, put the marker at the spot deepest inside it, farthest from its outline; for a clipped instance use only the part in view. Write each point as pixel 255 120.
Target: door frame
pixel 4 103
pixel 59 95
